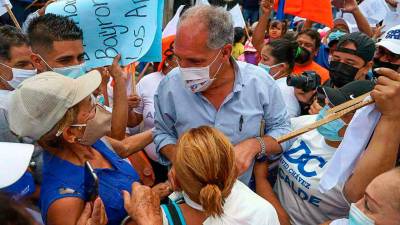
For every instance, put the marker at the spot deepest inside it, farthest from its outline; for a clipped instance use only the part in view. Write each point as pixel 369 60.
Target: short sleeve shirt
pixel 63 179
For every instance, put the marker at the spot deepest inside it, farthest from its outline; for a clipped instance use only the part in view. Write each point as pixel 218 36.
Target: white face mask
pixel 19 75
pixel 197 79
pixel 356 217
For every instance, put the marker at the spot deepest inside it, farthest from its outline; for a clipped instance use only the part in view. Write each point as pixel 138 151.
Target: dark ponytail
pixel 283 51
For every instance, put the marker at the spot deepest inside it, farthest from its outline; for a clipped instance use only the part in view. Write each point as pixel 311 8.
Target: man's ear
pixel 38 63
pixel 5 73
pixel 227 51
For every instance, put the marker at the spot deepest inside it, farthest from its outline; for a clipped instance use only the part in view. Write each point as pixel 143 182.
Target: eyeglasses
pixel 391 57
pixel 93 103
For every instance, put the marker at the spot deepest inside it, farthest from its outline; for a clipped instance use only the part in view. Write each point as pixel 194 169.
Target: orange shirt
pixel 321 71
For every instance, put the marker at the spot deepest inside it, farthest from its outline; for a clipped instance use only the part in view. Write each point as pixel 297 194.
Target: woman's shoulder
pixel 244 197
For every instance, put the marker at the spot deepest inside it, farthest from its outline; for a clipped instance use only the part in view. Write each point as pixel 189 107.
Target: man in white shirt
pixel 302 167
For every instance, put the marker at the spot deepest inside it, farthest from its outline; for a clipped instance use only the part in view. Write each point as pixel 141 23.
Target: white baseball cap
pixel 14 160
pixel 391 40
pixel 41 101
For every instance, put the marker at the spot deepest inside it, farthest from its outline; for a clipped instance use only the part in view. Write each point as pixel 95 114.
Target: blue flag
pixel 280 14
pixel 132 28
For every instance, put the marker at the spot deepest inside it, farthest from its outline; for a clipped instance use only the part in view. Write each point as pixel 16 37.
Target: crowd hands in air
pixel 196 140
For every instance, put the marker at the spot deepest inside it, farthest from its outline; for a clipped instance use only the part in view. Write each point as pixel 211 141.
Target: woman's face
pixel 379 201
pixel 275 32
pixel 269 60
pixel 86 111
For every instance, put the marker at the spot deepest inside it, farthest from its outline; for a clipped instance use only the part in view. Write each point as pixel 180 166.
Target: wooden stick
pixel 247 32
pixel 348 103
pixel 34 2
pixel 12 16
pixel 143 71
pixel 133 78
pixel 336 113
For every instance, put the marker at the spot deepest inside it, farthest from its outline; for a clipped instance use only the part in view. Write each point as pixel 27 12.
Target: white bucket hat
pixel 40 102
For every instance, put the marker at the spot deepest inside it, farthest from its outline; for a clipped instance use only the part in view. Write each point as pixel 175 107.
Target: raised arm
pixel 120 105
pixel 351 6
pixel 382 151
pixel 259 32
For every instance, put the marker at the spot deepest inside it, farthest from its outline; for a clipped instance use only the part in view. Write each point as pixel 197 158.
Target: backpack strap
pixel 174 214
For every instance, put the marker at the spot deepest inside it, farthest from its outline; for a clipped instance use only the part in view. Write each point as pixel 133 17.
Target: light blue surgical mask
pixel 268 68
pixel 356 217
pixel 72 71
pixel 330 131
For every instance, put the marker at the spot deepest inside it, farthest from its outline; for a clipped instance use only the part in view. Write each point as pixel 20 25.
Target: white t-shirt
pixel 243 207
pixel 300 171
pixel 146 89
pixel 292 105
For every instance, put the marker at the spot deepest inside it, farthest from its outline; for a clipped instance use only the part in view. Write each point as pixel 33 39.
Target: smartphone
pixel 91 182
pixel 338 3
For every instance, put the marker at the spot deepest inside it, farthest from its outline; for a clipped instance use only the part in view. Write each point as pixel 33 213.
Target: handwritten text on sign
pixel 112 27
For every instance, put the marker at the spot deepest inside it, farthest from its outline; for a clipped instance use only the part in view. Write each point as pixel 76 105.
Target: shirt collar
pixel 238 85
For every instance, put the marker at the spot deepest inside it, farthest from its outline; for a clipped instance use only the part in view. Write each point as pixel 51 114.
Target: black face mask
pixel 378 64
pixel 341 73
pixel 303 57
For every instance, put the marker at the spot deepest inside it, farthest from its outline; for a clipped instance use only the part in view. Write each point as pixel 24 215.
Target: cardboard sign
pixel 131 28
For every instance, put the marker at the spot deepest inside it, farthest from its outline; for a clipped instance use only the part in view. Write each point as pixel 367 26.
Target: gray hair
pixel 217 21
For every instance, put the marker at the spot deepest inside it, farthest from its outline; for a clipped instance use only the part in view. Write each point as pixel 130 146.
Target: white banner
pixel 3 9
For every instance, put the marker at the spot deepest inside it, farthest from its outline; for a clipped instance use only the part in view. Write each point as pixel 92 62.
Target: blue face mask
pixel 330 131
pixel 356 217
pixel 265 67
pixel 268 68
pixel 72 71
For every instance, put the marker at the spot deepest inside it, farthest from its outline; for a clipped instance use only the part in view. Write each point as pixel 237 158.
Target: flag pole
pixel 12 16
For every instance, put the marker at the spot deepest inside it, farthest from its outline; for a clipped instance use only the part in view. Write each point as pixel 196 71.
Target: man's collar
pixel 238 84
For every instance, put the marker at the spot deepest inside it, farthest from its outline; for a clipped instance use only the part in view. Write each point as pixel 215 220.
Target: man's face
pixel 384 55
pixel 342 27
pixel 308 43
pixel 20 58
pixel 191 48
pixel 63 54
pixel 352 60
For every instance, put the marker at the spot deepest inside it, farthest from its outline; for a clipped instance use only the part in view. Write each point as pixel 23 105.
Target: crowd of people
pixel 198 140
